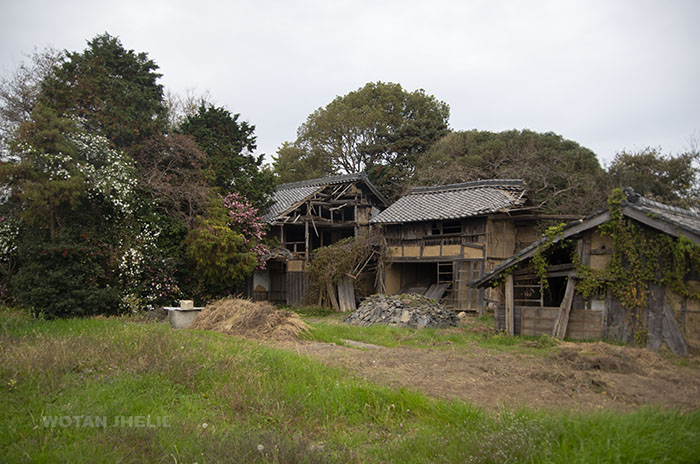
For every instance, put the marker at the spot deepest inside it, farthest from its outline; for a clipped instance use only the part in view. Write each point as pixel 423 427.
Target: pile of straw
pixel 235 316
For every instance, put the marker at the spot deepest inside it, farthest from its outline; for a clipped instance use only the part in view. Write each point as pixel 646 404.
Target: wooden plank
pixel 295 288
pixel 436 291
pixel 509 323
pixel 331 296
pixel 672 333
pixel 562 321
pixel 655 316
pixel 346 294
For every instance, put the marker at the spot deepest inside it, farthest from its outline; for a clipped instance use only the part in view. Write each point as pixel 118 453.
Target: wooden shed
pixel 440 238
pixel 307 215
pixel 636 236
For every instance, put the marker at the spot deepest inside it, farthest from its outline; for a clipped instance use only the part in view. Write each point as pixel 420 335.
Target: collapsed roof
pixel 289 196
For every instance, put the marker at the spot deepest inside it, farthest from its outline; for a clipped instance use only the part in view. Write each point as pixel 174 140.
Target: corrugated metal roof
pixel 455 201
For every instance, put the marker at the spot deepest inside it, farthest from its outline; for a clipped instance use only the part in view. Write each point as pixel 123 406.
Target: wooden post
pixel 510 319
pixel 562 321
pixel 482 271
pixel 306 238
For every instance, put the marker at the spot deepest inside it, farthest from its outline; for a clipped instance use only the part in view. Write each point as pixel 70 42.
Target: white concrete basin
pixel 181 318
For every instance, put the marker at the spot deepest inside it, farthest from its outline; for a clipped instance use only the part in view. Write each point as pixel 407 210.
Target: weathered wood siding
pixel 584 324
pixel 296 288
pixel 501 318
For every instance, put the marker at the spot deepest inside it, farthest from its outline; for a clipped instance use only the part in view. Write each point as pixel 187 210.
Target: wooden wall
pixel 296 287
pixel 584 324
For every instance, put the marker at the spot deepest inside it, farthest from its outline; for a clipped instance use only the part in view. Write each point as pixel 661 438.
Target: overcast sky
pixel 611 75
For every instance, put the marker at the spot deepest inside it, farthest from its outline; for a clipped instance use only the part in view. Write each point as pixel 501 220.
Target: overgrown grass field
pixel 215 398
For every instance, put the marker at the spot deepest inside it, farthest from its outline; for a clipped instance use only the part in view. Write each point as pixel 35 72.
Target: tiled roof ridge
pixel 637 199
pixel 324 180
pixel 500 183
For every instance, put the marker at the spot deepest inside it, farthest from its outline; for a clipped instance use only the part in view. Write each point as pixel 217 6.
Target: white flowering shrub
pixel 147 276
pixel 110 174
pixel 9 231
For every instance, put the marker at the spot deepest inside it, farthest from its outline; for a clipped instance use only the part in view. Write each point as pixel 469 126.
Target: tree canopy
pixel 380 128
pixel 20 92
pixel 115 90
pixel 665 178
pixel 103 199
pixel 229 143
pixel 562 176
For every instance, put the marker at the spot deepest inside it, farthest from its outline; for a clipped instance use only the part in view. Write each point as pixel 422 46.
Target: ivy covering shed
pixel 629 273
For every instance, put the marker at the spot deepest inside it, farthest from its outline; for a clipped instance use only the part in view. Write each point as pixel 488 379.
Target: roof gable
pixel 455 201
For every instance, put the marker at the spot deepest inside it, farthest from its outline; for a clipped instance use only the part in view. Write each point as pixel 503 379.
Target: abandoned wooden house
pixel 440 238
pixel 307 215
pixel 629 273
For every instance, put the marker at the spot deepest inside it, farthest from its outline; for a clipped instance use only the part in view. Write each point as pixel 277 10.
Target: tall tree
pixel 114 89
pixel 669 179
pixel 562 176
pixel 71 198
pixel 229 145
pixel 380 128
pixel 171 171
pixel 20 91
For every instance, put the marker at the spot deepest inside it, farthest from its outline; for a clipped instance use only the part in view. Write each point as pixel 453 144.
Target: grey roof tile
pixel 455 201
pixel 286 198
pixel 683 218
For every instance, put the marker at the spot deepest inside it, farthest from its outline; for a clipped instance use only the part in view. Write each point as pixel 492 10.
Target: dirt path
pixel 578 376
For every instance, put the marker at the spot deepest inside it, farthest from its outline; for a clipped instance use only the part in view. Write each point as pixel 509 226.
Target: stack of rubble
pixel 405 310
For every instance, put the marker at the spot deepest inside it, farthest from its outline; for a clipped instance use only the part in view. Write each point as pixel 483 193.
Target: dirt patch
pixel 575 376
pixel 261 320
pixel 618 361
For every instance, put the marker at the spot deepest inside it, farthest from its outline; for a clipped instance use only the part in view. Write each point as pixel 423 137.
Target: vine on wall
pixel 639 256
pixel 540 264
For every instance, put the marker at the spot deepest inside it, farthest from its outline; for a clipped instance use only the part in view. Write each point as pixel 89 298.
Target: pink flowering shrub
pixel 245 219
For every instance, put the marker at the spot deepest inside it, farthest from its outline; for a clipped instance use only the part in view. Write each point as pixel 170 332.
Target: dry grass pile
pixel 235 316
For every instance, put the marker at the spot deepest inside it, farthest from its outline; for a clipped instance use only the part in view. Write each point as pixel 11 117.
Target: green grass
pixel 264 405
pixel 330 331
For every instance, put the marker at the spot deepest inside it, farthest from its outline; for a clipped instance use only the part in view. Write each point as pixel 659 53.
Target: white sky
pixel 610 75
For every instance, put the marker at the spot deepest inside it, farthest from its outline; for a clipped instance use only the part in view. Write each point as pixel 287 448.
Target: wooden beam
pixel 536 217
pixel 562 322
pixel 585 249
pixel 510 303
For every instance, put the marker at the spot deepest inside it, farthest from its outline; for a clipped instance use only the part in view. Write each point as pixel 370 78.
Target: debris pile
pixel 405 310
pixel 235 316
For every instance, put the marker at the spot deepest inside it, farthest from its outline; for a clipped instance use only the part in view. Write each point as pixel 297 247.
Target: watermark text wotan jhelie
pixel 146 422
